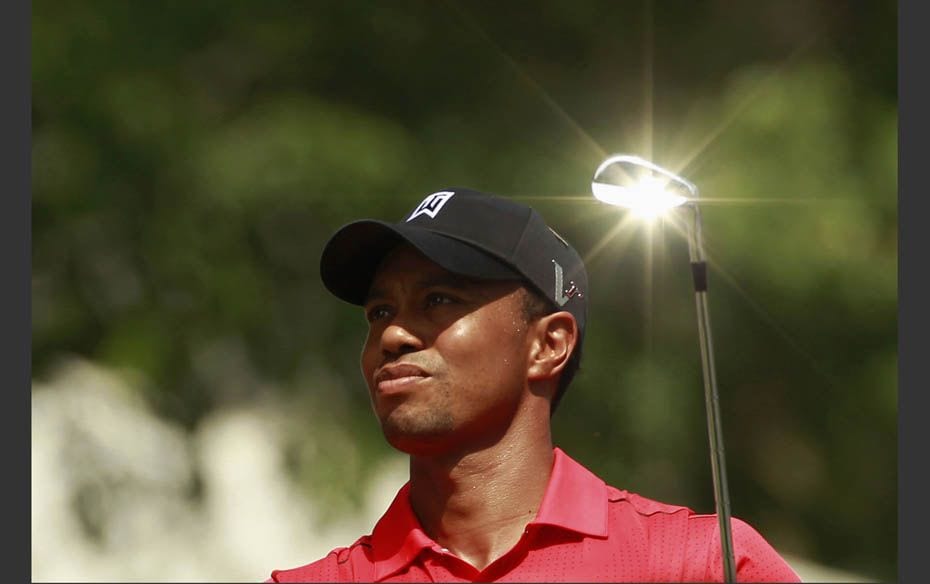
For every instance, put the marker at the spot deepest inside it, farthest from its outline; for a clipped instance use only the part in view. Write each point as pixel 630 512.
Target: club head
pixel 643 187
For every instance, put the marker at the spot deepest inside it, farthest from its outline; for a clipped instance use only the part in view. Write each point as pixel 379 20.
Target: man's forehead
pixel 408 265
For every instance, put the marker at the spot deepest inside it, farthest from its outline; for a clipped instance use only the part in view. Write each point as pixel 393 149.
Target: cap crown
pixel 466 232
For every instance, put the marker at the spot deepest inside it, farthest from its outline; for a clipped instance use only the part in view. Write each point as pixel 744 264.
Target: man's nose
pixel 400 337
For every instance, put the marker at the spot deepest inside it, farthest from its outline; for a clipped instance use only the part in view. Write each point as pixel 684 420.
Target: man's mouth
pixel 398 377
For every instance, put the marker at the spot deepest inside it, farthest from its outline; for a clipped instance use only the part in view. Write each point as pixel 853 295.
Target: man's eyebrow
pixel 448 280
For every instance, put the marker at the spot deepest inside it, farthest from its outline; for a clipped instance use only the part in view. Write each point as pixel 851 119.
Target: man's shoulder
pixel 342 564
pixel 684 545
pixel 644 506
pixel 630 502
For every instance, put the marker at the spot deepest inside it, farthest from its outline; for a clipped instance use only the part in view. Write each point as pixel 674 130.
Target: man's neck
pixel 477 505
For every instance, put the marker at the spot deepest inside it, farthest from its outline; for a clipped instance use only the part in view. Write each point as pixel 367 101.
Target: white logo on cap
pixel 559 296
pixel 431 205
pixel 563 295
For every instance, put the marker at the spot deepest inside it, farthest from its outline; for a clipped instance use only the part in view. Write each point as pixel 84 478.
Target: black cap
pixel 469 233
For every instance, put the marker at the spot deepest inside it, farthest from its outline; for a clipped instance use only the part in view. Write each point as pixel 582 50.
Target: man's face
pixel 446 356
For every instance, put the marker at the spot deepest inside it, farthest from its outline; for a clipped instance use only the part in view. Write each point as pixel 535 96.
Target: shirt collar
pixel 571 488
pixel 398 538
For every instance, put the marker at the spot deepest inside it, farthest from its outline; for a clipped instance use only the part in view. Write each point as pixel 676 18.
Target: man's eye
pixel 437 298
pixel 376 313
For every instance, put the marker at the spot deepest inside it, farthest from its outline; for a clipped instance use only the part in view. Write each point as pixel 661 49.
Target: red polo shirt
pixel 585 531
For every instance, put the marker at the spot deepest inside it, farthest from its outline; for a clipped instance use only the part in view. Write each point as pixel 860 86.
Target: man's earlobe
pixel 555 337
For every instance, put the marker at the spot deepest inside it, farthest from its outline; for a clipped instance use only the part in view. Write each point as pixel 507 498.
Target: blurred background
pixel 197 410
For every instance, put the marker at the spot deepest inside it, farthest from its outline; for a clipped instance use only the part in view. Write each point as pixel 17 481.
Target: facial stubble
pixel 405 421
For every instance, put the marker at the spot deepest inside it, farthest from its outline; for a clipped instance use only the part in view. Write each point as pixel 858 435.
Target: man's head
pixel 476 241
pixel 452 361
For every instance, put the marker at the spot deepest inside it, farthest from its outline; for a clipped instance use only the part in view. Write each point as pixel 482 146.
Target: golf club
pixel 648 190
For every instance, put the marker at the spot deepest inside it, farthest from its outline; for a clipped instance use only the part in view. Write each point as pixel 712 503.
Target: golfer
pixel 477 312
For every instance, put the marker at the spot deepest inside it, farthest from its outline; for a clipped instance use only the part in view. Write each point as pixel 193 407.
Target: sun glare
pixel 646 199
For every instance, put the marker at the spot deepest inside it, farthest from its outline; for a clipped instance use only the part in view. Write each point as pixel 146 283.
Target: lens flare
pixel 647 199
pixel 646 189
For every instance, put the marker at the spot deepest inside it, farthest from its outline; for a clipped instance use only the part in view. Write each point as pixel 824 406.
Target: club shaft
pixel 711 398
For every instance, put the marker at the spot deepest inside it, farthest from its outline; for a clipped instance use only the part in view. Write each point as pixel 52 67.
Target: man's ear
pixel 554 337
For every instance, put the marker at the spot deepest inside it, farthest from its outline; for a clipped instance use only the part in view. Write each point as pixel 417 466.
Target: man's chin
pixel 417 435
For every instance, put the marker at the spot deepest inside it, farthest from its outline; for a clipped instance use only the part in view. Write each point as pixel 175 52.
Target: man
pixel 476 314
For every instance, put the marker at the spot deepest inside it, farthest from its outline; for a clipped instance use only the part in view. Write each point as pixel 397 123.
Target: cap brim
pixel 352 256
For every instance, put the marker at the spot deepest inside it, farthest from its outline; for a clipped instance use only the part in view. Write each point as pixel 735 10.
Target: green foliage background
pixel 190 160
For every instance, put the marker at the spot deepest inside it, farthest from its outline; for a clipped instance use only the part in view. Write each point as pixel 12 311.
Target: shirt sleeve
pixel 344 564
pixel 326 569
pixel 756 559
